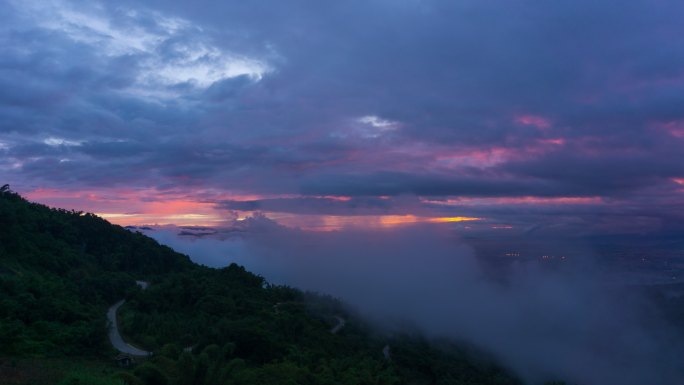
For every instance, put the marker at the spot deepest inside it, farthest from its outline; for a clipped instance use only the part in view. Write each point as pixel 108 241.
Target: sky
pixel 552 117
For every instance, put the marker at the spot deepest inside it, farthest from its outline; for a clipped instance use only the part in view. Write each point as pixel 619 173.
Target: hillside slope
pixel 60 270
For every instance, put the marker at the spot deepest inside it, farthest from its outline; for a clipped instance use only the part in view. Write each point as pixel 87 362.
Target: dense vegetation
pixel 60 270
pixel 248 332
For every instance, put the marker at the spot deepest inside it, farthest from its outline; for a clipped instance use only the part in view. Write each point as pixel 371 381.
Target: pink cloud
pixel 554 141
pixel 674 128
pixel 533 120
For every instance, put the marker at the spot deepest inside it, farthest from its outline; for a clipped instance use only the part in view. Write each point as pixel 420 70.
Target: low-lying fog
pixel 560 323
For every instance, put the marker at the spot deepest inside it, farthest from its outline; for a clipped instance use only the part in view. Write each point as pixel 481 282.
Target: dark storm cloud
pixel 606 175
pixel 540 180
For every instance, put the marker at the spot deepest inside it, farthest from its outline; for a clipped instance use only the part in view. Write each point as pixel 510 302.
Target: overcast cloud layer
pixel 526 113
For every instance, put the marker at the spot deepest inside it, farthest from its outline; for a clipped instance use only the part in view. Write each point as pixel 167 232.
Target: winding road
pixel 120 345
pixel 340 324
pixel 386 352
pixel 114 335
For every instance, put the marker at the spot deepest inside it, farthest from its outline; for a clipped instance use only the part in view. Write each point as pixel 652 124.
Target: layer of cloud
pixel 555 321
pixel 367 99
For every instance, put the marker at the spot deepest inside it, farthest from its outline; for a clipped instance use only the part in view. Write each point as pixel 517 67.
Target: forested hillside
pixel 60 271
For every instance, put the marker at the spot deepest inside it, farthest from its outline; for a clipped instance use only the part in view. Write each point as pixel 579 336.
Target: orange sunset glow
pixel 148 208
